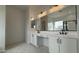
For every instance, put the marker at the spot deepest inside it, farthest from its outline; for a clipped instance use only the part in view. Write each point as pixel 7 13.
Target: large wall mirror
pixel 36 24
pixel 33 24
pixel 64 19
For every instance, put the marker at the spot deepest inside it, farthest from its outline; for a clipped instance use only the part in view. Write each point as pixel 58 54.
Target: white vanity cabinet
pixel 34 40
pixel 62 45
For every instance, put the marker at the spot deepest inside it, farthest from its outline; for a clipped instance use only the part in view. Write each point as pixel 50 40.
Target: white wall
pixel 14 25
pixel 28 27
pixel 2 28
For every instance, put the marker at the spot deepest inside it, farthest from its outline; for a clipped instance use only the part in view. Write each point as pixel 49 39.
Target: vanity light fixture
pixel 41 12
pixel 55 5
pixel 55 8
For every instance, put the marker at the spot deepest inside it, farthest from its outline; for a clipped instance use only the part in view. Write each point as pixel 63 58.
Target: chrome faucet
pixel 63 32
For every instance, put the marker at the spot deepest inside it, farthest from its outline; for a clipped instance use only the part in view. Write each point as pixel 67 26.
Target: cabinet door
pixel 53 45
pixel 34 40
pixel 68 46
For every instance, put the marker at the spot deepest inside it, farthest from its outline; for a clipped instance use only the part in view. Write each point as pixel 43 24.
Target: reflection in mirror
pixel 60 20
pixel 37 24
pixel 63 20
pixel 43 23
pixel 50 26
pixel 58 25
pixel 71 26
pixel 33 24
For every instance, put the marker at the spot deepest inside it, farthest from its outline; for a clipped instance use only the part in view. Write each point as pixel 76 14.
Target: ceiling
pixel 23 7
pixel 37 9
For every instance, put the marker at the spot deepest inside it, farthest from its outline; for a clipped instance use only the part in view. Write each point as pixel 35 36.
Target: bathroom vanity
pixel 58 43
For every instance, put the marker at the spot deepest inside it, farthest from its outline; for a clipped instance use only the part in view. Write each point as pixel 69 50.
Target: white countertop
pixel 71 35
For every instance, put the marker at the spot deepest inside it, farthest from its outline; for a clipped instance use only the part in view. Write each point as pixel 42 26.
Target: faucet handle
pixel 65 33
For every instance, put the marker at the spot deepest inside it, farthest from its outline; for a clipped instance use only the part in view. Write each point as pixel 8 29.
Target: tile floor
pixel 25 48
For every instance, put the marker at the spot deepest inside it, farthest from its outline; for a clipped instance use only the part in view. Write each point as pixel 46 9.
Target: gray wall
pixel 14 25
pixel 2 28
